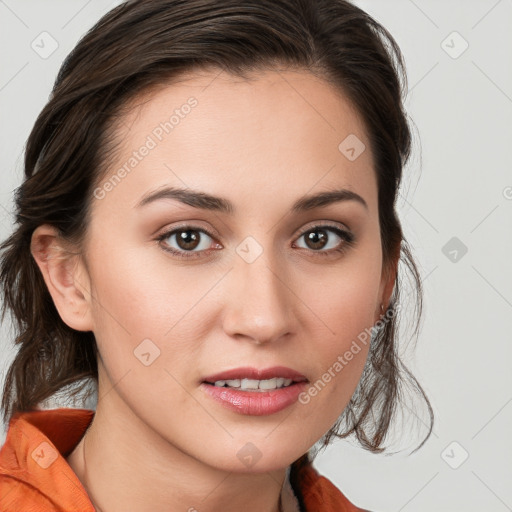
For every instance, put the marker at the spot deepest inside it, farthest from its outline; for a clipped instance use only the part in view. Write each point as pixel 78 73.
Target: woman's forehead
pixel 294 96
pixel 217 130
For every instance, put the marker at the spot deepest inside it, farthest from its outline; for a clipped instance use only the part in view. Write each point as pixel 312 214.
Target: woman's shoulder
pixel 317 493
pixel 33 468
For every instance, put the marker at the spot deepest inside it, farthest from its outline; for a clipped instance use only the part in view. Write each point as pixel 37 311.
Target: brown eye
pixel 318 238
pixel 187 239
pixel 186 242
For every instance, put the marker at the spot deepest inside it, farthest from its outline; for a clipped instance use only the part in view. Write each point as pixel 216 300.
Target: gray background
pixel 458 184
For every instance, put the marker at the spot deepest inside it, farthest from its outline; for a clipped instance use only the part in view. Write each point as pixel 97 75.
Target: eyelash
pixel 344 235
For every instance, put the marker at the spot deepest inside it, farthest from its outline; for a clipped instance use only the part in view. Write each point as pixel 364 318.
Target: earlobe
pixel 65 276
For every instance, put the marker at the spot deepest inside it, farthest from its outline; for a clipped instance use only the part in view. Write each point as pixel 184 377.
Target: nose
pixel 260 301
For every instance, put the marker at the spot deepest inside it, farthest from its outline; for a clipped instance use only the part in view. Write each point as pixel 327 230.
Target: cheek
pixel 140 297
pixel 347 302
pixel 145 312
pixel 342 357
pixel 347 299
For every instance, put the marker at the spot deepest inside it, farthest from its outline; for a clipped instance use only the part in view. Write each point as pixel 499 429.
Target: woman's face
pixel 185 289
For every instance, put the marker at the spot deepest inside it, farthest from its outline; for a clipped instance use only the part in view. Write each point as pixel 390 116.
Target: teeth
pixel 269 384
pixel 249 384
pixel 253 384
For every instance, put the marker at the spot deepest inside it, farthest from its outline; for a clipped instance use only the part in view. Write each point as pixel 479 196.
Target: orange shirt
pixel 35 476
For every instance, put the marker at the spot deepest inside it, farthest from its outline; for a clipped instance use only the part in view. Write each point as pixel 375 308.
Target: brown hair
pixel 143 44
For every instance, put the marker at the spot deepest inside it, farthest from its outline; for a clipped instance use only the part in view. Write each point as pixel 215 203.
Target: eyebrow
pixel 206 201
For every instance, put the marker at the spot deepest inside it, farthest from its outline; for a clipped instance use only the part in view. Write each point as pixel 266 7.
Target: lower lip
pixel 255 403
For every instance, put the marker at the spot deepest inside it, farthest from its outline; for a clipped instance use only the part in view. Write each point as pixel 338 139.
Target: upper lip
pixel 257 374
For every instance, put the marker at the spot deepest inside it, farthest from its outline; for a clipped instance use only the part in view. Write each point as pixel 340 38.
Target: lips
pixel 255 402
pixel 257 374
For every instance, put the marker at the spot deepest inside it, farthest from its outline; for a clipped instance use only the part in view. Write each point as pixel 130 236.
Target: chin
pixel 259 455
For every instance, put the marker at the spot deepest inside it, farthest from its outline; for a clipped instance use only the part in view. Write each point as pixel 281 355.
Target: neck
pixel 125 465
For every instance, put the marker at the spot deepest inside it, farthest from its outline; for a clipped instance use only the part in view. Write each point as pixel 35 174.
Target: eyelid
pixel 190 224
pixel 213 233
pixel 324 224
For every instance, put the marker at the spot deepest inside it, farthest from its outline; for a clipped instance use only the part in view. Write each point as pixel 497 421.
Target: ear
pixel 65 276
pixel 388 280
